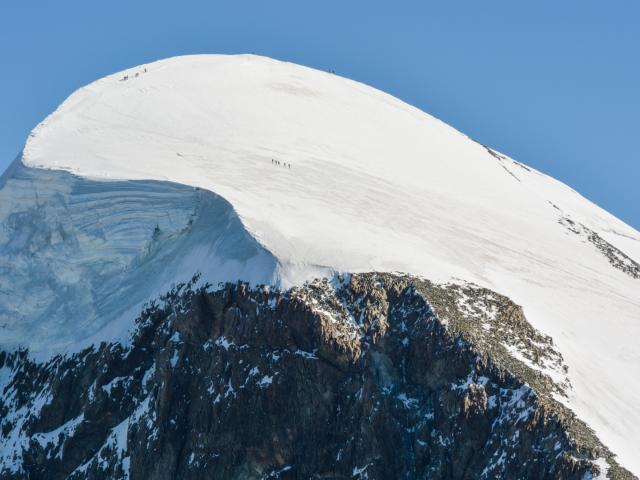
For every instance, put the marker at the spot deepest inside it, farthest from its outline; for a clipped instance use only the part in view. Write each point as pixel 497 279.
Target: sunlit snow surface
pixel 101 213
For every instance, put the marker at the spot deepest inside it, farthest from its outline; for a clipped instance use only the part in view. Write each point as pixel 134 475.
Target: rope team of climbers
pixel 136 75
pixel 278 162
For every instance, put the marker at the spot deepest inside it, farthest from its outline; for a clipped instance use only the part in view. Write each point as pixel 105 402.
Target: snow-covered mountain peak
pixel 243 167
pixel 359 158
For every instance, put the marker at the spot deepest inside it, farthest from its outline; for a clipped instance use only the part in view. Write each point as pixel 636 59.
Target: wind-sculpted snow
pixel 80 256
pixel 324 174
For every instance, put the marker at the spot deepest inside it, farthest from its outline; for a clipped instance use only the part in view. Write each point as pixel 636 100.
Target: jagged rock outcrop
pixel 366 376
pixel 616 258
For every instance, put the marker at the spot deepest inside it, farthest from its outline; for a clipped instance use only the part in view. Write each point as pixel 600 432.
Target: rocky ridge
pixel 363 376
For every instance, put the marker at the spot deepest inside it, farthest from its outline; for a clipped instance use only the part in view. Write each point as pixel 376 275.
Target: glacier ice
pixel 78 254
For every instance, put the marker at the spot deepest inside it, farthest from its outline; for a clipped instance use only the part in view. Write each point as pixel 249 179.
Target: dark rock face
pixel 373 376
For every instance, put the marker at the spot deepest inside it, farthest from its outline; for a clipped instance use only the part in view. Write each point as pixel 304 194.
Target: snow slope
pixel 374 184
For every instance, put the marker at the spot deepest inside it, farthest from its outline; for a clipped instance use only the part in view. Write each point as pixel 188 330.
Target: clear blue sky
pixel 554 84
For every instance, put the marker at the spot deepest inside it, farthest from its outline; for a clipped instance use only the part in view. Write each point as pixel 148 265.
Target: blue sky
pixel 554 84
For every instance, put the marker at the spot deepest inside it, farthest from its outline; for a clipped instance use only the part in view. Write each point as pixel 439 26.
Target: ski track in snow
pixel 134 184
